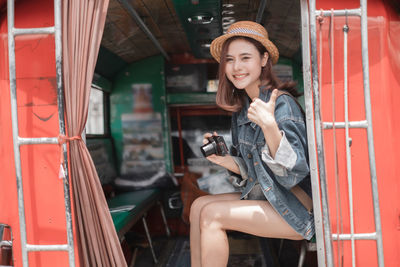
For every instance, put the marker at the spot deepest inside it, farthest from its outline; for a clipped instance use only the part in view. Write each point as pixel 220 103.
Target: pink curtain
pixel 83 23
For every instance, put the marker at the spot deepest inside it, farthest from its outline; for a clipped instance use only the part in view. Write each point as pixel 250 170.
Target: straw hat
pixel 248 29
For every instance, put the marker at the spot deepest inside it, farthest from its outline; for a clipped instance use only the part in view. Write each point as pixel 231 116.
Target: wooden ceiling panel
pixel 169 32
pixel 243 9
pixel 123 37
pixel 282 20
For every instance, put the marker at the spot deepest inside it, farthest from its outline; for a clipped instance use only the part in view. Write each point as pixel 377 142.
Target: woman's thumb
pixel 274 96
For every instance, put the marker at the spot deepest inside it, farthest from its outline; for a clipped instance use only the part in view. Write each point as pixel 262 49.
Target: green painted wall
pixel 297 71
pixel 149 70
pixel 102 82
pixel 297 76
pixel 108 64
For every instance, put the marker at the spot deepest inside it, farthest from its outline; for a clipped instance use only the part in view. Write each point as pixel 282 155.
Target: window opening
pixel 96 113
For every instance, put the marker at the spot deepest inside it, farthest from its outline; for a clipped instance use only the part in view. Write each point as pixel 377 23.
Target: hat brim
pixel 216 45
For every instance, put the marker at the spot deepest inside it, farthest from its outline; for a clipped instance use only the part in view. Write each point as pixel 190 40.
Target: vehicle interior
pixel 105 104
pixel 152 99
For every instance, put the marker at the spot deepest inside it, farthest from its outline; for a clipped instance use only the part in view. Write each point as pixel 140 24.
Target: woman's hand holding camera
pixel 213 157
pixel 225 161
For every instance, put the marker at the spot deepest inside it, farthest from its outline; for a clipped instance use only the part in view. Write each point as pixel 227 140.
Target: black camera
pixel 216 145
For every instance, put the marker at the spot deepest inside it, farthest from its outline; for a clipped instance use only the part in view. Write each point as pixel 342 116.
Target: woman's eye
pixel 245 58
pixel 229 59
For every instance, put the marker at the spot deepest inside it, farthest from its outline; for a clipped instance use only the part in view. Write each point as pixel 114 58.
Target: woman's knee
pixel 210 216
pixel 200 202
pixel 197 206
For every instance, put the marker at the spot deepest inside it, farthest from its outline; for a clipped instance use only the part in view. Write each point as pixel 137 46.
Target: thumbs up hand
pixel 262 113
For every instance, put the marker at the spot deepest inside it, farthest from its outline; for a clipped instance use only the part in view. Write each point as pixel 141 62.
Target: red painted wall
pixel 384 59
pixel 38 117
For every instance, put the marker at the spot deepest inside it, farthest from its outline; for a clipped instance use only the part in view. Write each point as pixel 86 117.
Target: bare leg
pixel 195 211
pixel 256 217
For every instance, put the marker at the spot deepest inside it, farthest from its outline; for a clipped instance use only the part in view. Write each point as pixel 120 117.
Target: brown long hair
pixel 231 99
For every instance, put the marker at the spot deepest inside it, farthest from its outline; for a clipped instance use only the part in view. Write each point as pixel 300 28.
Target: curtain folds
pixel 83 23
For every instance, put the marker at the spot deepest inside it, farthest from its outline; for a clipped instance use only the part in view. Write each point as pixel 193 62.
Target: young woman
pixel 269 158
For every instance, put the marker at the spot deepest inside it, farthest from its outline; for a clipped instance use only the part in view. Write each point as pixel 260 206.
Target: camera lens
pixel 209 149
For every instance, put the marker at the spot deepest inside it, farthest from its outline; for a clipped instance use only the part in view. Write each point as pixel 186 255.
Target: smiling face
pixel 243 65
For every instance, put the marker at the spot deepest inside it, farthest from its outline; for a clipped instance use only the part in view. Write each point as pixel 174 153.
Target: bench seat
pixel 127 208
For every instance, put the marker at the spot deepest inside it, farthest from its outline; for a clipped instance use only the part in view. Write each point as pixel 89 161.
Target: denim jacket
pixel 275 176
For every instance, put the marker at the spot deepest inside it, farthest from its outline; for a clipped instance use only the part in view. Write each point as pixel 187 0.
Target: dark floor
pixel 245 251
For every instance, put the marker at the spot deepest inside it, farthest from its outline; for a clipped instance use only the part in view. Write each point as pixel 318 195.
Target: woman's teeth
pixel 239 76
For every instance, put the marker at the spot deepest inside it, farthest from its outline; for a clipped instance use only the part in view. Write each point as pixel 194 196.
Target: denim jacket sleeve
pixel 290 164
pixel 236 179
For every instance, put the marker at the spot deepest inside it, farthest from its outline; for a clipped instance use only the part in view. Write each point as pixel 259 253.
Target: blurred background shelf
pixel 190 98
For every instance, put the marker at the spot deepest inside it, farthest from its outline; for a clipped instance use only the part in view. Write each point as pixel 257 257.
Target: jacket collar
pixel 263 95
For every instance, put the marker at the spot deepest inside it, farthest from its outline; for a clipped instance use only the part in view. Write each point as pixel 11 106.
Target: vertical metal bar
pixel 319 138
pixel 15 131
pixel 61 119
pixel 169 166
pixel 303 250
pixel 164 219
pixel 339 220
pixel 335 155
pixel 178 120
pixel 305 33
pixel 149 238
pixel 370 136
pixel 348 143
pixel 260 11
pixel 320 20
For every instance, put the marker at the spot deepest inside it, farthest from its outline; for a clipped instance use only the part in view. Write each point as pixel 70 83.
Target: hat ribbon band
pixel 244 30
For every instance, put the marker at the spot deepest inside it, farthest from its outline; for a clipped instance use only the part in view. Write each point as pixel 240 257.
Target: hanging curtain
pixel 83 24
